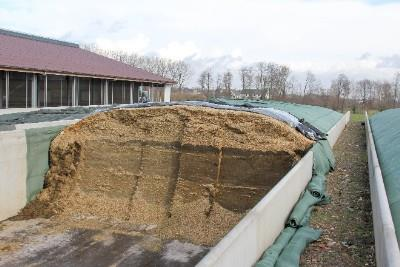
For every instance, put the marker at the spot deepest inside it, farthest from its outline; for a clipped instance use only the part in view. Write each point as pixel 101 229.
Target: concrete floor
pixel 38 242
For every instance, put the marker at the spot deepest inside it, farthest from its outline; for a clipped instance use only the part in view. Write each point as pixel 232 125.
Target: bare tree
pixel 227 83
pixel 268 80
pixel 275 81
pixel 309 84
pixel 261 69
pixel 364 88
pixel 387 95
pixel 282 80
pixel 396 88
pixel 243 73
pixel 202 81
pixel 218 85
pixel 179 71
pixel 183 73
pixel 341 89
pixel 246 77
pixel 205 81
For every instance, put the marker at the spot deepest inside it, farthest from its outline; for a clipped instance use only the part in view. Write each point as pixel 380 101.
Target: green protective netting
pixel 38 143
pixel 301 208
pixel 317 186
pixel 321 118
pixel 290 256
pixel 385 128
pixel 271 255
pixel 323 158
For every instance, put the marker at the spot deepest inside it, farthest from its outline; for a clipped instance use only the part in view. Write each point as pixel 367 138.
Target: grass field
pixel 360 116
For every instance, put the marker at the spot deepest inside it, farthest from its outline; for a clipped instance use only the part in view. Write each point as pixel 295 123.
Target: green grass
pixel 358 117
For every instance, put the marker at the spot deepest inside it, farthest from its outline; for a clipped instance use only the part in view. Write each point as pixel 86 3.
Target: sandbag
pixel 271 255
pixel 317 186
pixel 323 159
pixel 301 208
pixel 290 256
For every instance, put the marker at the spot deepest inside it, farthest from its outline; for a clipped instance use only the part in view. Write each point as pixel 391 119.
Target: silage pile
pixel 178 172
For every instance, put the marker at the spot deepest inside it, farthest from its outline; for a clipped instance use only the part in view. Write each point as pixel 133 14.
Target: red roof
pixel 30 53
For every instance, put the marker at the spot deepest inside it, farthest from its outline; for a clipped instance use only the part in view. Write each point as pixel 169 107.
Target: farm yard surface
pixel 149 186
pixel 347 238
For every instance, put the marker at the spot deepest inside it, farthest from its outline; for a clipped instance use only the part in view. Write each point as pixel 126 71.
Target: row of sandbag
pixel 294 238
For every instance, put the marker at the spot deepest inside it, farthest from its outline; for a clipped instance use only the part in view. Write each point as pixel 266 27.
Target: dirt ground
pixel 347 238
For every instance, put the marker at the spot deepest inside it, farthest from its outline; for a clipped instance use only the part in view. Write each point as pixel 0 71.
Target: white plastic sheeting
pixel 386 247
pixel 279 115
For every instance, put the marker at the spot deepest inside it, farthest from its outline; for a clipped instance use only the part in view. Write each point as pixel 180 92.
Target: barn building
pixel 42 72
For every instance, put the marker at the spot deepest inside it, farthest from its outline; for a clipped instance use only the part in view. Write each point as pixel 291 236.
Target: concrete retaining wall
pixel 13 167
pixel 246 242
pixel 386 247
pixel 13 172
pixel 336 130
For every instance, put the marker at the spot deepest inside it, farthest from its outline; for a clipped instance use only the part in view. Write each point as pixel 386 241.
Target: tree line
pixel 276 81
pixel 176 70
pixel 271 81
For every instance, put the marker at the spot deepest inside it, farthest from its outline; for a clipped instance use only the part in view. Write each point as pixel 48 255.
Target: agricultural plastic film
pixel 309 132
pixel 8 121
pixel 385 128
pixel 38 143
pixel 43 115
pixel 321 118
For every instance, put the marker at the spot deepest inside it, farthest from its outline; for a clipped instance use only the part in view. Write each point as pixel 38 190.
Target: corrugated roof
pixel 33 53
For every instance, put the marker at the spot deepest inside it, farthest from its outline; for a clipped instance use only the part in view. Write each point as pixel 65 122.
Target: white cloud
pixel 325 36
pixel 136 45
pixel 179 51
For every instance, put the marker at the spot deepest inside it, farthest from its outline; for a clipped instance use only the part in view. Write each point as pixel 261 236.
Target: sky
pixel 327 37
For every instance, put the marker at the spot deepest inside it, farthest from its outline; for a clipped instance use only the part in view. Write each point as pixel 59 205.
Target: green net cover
pixel 323 158
pixel 38 143
pixel 321 118
pixel 385 128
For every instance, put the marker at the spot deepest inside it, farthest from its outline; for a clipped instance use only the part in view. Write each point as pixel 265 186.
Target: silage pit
pixel 179 172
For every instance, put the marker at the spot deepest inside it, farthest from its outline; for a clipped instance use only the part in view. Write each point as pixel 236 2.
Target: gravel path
pixel 347 238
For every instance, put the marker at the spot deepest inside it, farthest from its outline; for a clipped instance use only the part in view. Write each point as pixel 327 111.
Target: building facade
pixel 41 72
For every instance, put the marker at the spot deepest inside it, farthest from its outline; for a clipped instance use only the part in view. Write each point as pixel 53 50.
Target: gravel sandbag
pixel 271 255
pixel 317 186
pixel 301 208
pixel 290 256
